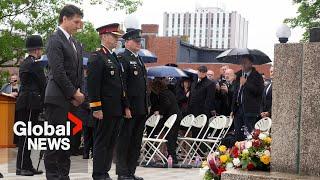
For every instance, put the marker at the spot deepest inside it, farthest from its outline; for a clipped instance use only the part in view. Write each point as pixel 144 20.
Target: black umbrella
pixel 234 55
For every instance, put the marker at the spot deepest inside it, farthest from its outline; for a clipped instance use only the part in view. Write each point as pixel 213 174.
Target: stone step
pixel 260 175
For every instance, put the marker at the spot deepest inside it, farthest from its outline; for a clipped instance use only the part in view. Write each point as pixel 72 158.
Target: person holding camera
pixel 227 87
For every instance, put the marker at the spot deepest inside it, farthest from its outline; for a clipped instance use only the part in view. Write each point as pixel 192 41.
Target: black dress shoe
pixel 136 177
pixel 36 172
pixel 1 176
pixel 24 172
pixel 125 178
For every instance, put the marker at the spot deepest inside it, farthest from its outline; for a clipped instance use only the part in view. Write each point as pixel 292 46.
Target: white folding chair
pixel 218 123
pixel 187 123
pixel 263 124
pixel 199 122
pixel 225 130
pixel 155 143
pixel 151 122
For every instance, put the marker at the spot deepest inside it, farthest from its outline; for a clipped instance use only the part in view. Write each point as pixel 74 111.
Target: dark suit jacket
pixel 105 85
pixel 33 84
pixel 202 97
pixel 65 69
pixel 252 93
pixel 267 99
pixel 135 81
pixel 168 104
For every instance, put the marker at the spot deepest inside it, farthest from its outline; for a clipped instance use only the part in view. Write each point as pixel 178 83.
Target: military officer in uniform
pixel 135 78
pixel 106 96
pixel 30 100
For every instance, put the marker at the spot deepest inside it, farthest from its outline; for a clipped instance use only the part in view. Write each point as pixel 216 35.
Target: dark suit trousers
pixel 23 156
pixel 87 139
pixel 105 134
pixel 129 144
pixel 241 121
pixel 57 162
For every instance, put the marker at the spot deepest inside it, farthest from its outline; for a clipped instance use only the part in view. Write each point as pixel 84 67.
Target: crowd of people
pixel 113 97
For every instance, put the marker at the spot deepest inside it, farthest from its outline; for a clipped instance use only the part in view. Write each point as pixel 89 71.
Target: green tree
pixel 20 18
pixel 308 16
pixel 88 37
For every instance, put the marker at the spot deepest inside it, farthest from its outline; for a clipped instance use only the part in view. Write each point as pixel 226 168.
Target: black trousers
pixel 23 156
pixel 87 139
pixel 129 144
pixel 75 142
pixel 243 120
pixel 57 162
pixel 172 138
pixel 105 134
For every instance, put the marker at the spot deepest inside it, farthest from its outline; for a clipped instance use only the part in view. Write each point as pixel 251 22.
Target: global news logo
pixel 46 136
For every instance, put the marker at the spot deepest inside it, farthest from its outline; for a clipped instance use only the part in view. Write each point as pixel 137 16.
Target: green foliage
pixel 4 75
pixel 308 16
pixel 88 37
pixel 20 18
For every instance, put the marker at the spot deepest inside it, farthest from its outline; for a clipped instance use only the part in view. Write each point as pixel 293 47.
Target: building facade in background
pixel 208 27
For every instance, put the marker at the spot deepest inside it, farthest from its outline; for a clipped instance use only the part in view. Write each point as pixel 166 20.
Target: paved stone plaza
pixel 82 169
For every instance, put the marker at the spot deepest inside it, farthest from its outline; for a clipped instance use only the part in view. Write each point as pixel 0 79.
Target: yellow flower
pixel 267 140
pixel 222 149
pixel 223 158
pixel 265 159
pixel 204 164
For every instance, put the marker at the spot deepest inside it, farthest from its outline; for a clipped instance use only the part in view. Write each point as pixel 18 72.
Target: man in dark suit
pixel 30 100
pixel 202 99
pixel 202 95
pixel 246 98
pixel 64 82
pixel 106 96
pixel 267 98
pixel 131 132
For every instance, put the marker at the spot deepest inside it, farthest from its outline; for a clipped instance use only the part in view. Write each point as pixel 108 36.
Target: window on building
pixel 218 15
pixel 167 20
pixel 229 19
pixel 222 44
pixel 178 20
pixel 200 20
pixel 217 43
pixel 172 21
pixel 224 19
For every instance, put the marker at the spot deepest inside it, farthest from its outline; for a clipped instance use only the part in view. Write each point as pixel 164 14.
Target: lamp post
pixel 283 33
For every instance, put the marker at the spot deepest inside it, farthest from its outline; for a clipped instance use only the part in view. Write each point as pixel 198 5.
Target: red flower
pixel 256 143
pixel 255 134
pixel 250 166
pixel 220 170
pixel 235 152
pixel 213 166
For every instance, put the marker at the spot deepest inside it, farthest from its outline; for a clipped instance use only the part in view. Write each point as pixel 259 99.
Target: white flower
pixel 203 171
pixel 248 144
pixel 229 166
pixel 259 153
pixel 262 136
pixel 245 151
pixel 249 136
pixel 217 153
pixel 236 162
pixel 267 152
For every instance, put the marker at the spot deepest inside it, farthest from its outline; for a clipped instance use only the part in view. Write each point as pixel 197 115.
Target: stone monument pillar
pixel 295 148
